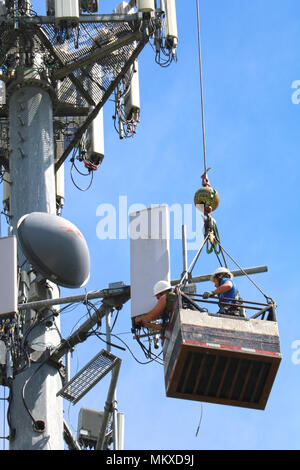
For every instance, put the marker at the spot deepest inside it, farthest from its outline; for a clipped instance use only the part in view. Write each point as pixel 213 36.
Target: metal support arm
pixel 236 273
pixel 108 405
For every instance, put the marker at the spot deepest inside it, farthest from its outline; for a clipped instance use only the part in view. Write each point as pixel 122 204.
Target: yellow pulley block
pixel 206 199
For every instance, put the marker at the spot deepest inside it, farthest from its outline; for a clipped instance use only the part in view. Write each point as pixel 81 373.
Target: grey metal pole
pixel 108 403
pixel 235 272
pixel 36 412
pixel 184 249
pixel 121 426
pixel 114 397
pixel 40 304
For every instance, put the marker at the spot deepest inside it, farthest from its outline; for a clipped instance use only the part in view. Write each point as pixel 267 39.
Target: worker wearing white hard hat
pixel 162 290
pixel 225 289
pixel 221 271
pixel 161 286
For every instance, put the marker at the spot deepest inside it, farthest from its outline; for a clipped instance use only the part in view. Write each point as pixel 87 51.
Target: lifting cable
pixel 211 230
pixel 212 194
pixel 201 86
pixel 187 275
pixel 268 299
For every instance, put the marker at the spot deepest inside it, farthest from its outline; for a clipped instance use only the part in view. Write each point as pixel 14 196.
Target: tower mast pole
pixel 36 413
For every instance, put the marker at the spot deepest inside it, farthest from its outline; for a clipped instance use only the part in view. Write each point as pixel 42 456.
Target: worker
pixel 225 290
pixel 166 299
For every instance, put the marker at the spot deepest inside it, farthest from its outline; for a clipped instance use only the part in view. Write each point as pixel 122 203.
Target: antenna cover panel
pixel 56 248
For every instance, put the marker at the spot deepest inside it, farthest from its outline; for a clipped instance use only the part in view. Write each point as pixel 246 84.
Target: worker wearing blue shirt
pixel 225 290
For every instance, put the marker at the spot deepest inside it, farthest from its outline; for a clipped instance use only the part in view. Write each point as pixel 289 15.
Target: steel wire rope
pixel 251 280
pixel 201 85
pixel 190 269
pixel 200 421
pixel 204 147
pixel 204 144
pixel 192 265
pixel 213 248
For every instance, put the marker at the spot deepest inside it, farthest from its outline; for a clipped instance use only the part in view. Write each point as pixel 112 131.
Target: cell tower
pixel 57 73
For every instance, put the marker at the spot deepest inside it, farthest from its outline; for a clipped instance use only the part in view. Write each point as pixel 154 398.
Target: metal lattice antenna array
pixel 80 71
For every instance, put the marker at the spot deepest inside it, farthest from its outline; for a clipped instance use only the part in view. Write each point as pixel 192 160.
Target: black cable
pixel 24 388
pixel 88 303
pixel 126 345
pixel 73 181
pixel 11 429
pixel 98 334
pixel 200 421
pixel 30 329
pixel 115 320
pixel 77 169
pixel 149 354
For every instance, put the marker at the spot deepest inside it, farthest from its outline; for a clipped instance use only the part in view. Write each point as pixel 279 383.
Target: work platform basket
pixel 220 358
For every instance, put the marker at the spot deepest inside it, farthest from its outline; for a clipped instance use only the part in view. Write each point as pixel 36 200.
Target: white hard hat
pixel 221 270
pixel 161 286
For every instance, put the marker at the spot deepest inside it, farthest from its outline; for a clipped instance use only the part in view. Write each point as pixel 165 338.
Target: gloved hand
pixel 139 320
pixel 206 295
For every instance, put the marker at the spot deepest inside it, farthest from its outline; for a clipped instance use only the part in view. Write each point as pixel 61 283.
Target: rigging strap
pixel 268 299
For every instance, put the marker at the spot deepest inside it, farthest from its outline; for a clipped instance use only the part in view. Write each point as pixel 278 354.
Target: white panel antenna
pixel 145 6
pixel 60 186
pixel 132 99
pixel 2 93
pixel 149 255
pixel 8 274
pixel 95 142
pixel 6 191
pixel 94 137
pixel 171 24
pixel 3 9
pixel 124 8
pixel 67 10
pixel 132 96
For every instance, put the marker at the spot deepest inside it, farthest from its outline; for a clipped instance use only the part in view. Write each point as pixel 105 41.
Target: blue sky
pixel 250 60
